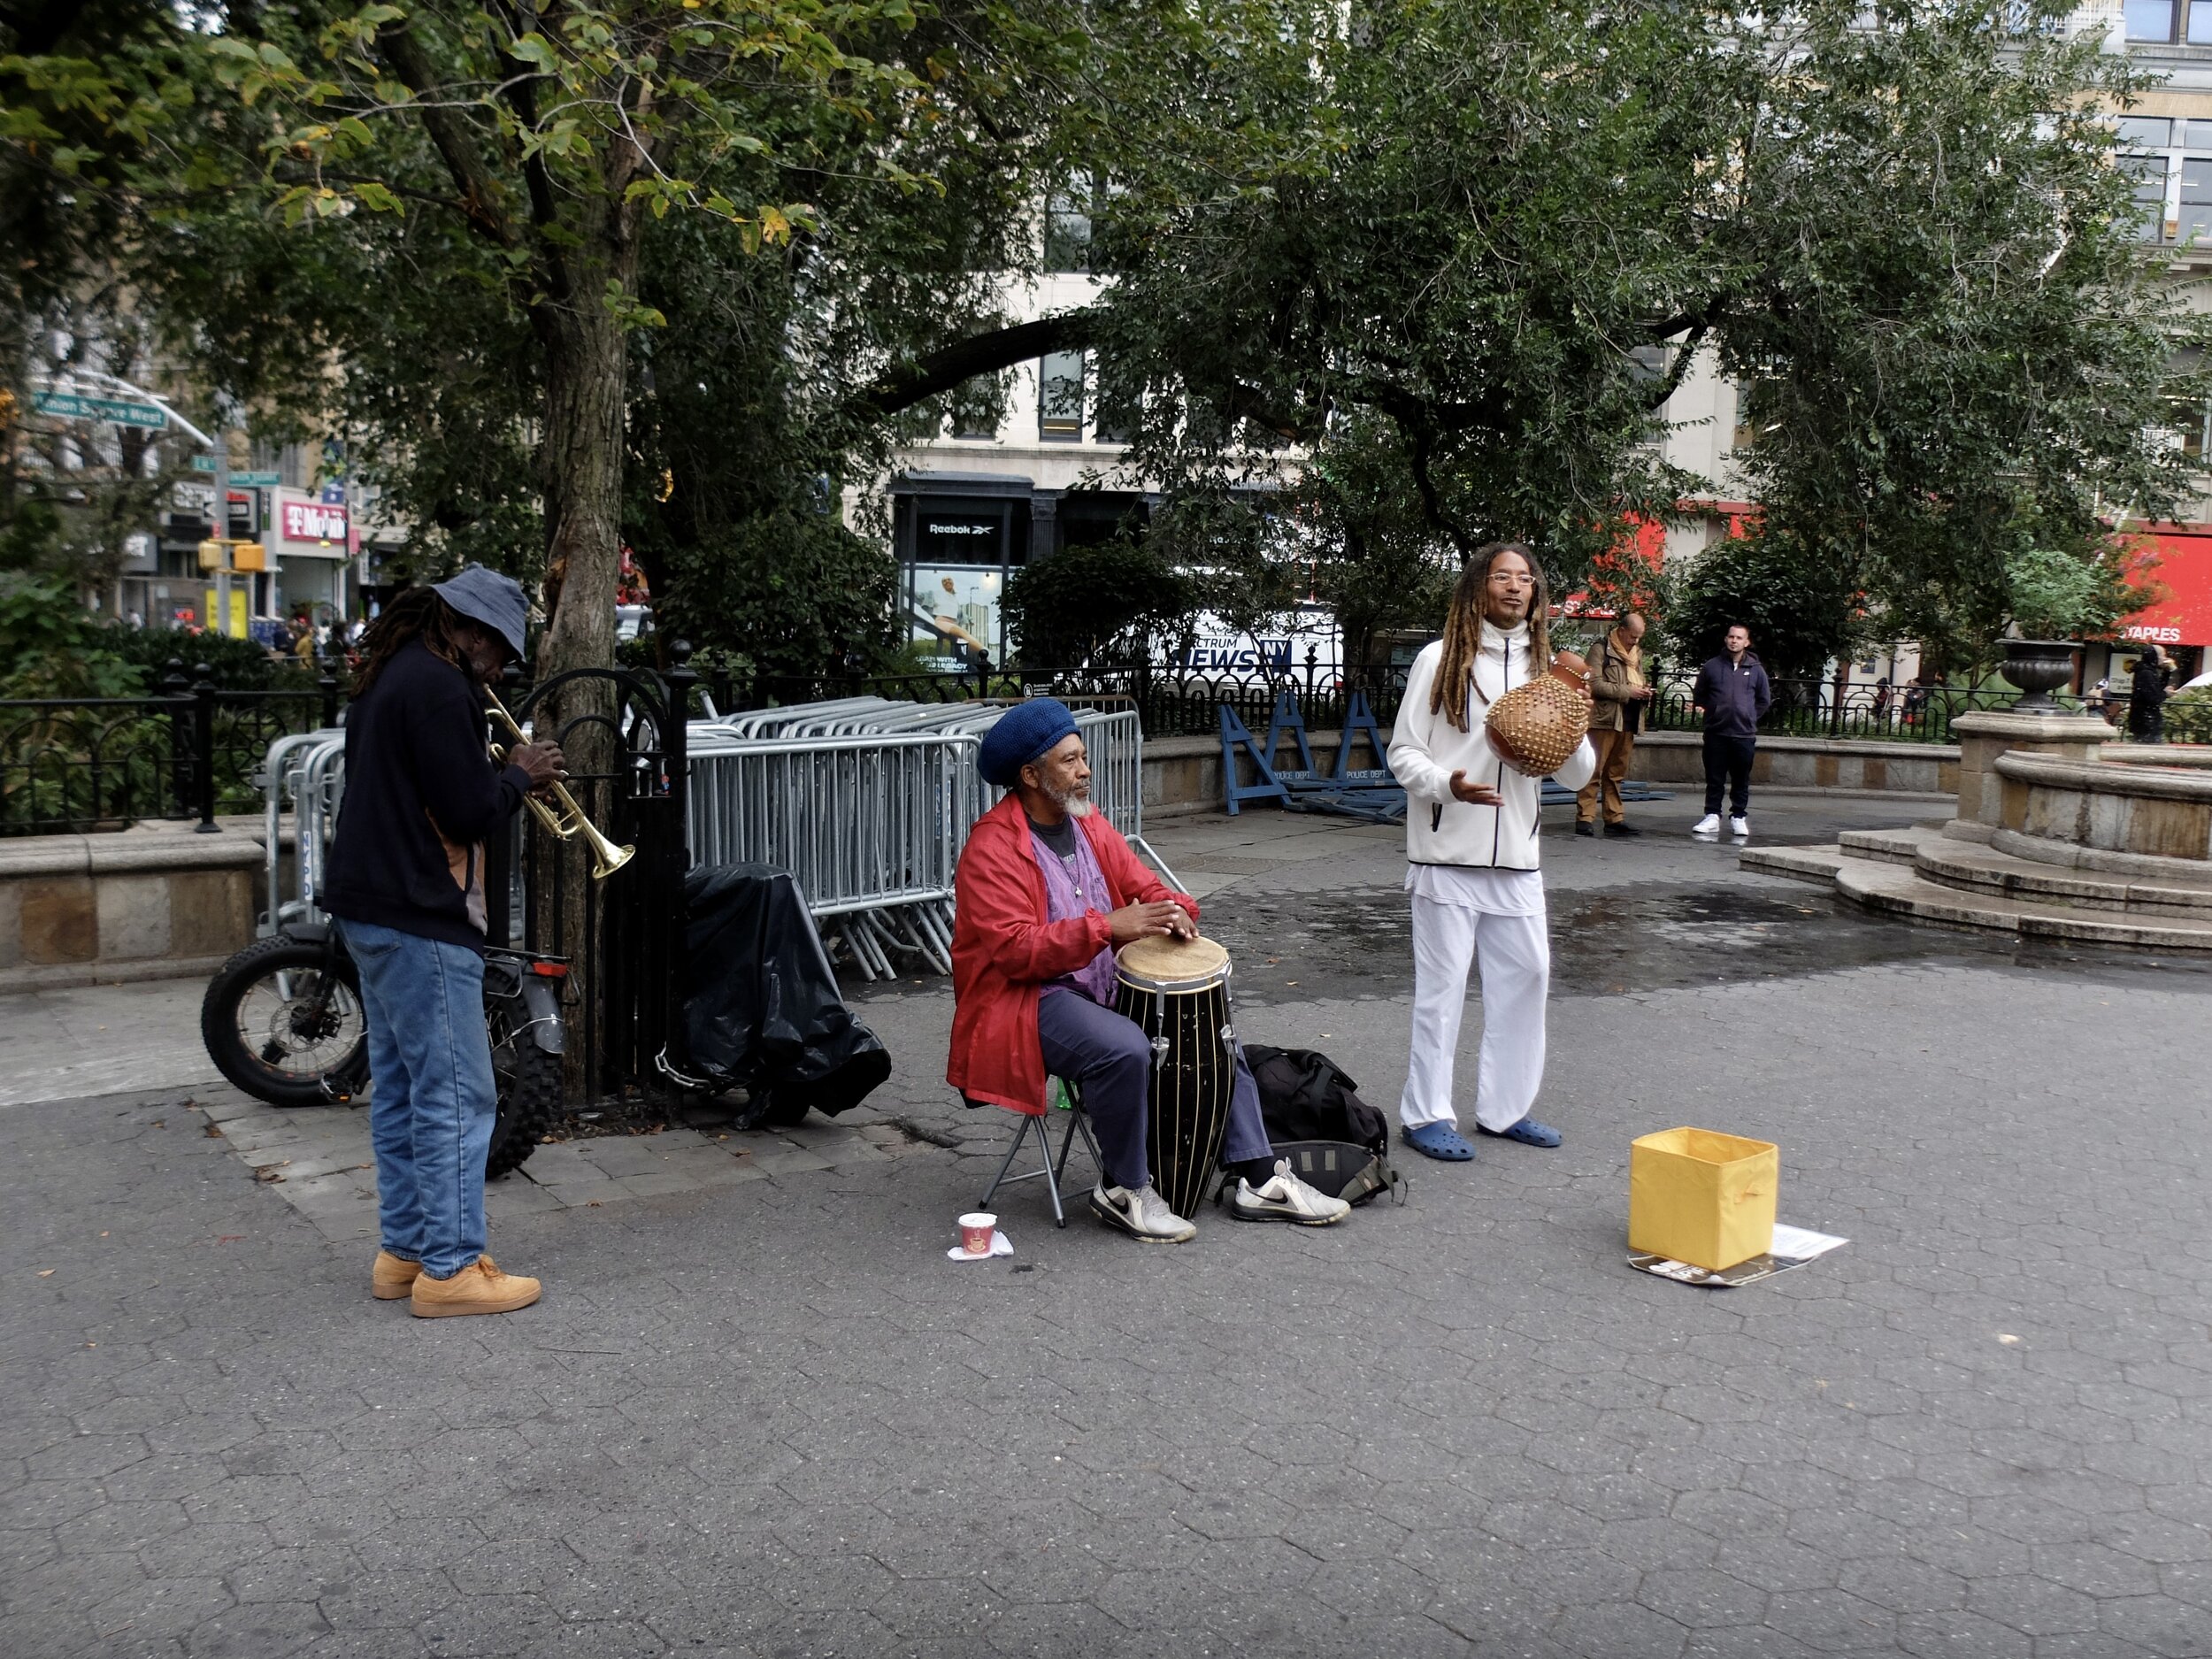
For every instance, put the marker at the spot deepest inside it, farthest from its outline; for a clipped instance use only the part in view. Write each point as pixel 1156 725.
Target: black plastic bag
pixel 763 1011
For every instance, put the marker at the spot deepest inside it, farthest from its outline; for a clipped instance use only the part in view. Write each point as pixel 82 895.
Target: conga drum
pixel 1176 990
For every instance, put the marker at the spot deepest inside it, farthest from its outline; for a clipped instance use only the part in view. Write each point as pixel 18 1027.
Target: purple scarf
pixel 1076 891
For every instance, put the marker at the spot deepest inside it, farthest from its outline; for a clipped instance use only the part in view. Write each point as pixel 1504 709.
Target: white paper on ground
pixel 1001 1245
pixel 1793 1247
pixel 1801 1244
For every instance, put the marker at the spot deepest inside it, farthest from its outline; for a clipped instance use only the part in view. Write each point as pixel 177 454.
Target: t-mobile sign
pixel 313 521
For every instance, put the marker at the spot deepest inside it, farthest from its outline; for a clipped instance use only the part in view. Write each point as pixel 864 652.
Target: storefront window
pixel 956 576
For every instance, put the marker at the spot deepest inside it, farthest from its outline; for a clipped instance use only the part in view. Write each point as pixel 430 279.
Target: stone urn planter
pixel 2039 667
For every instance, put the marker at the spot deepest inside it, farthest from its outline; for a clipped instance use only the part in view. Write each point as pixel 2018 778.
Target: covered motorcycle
pixel 762 1010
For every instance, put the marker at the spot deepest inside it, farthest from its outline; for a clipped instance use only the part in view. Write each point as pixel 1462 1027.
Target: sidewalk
pixel 758 1413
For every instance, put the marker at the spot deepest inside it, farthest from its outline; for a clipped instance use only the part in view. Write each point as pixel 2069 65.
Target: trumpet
pixel 569 821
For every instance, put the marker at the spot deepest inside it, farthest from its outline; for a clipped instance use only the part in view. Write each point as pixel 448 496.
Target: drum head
pixel 1171 962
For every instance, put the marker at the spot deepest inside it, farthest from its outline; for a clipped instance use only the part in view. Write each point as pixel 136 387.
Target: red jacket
pixel 1003 950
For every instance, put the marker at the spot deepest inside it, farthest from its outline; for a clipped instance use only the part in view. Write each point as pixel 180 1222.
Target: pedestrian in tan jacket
pixel 1619 699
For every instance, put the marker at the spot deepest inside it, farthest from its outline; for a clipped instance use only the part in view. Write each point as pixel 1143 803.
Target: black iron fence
pixel 1812 707
pixel 188 752
pixel 1170 702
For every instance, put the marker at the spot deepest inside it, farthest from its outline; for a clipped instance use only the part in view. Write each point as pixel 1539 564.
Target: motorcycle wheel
pixel 529 1090
pixel 266 1034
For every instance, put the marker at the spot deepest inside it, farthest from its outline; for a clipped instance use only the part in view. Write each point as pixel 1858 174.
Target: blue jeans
pixel 433 1099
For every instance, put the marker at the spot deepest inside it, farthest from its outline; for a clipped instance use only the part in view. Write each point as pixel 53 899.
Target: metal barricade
pixel 868 804
pixel 871 827
pixel 307 770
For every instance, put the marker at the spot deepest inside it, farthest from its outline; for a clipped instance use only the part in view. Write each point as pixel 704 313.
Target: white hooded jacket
pixel 1425 748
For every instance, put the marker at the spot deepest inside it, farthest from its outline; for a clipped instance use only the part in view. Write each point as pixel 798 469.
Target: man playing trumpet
pixel 406 885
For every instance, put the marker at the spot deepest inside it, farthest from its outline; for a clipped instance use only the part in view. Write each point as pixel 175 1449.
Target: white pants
pixel 1516 955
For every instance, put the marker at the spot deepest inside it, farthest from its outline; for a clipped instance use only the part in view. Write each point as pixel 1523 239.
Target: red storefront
pixel 2181 614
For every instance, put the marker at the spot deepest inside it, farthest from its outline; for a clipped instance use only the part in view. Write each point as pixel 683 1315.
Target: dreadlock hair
pixel 1462 628
pixel 418 613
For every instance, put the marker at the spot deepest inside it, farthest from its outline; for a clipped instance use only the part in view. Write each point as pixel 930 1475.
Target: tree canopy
pixel 666 272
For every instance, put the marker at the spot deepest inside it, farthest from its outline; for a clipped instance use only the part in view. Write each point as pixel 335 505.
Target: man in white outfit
pixel 1471 838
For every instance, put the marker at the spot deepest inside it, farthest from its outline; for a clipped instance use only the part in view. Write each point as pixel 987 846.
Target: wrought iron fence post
pixel 203 747
pixel 328 685
pixel 173 687
pixel 983 673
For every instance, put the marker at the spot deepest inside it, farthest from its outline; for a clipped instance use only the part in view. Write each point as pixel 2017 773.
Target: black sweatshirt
pixel 421 795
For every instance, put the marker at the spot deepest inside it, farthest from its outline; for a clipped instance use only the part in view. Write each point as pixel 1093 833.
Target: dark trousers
pixel 1728 764
pixel 1108 1058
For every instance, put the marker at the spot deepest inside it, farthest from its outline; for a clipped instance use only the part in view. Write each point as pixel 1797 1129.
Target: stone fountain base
pixel 2056 838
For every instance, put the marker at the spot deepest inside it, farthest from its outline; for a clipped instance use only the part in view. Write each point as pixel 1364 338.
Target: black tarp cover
pixel 764 1012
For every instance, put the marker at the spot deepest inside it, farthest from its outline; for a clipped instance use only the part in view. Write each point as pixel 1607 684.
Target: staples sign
pixel 313 521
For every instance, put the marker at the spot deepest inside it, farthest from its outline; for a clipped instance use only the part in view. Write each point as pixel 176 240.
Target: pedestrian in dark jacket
pixel 1733 695
pixel 2146 697
pixel 406 885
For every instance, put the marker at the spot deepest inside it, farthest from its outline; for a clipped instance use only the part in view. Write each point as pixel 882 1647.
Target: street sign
pixel 239 481
pixel 70 406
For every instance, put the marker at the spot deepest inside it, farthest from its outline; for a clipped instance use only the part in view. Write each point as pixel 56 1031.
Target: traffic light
pixel 238 553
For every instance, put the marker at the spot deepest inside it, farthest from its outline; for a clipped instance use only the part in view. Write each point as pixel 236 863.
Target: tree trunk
pixel 586 360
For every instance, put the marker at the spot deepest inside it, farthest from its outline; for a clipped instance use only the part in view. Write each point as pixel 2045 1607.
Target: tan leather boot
pixel 482 1288
pixel 392 1277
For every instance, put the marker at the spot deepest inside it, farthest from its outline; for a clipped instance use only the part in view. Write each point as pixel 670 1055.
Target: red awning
pixel 2183 613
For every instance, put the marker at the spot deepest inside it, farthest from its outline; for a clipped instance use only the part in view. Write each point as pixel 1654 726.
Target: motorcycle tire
pixel 529 1090
pixel 276 1063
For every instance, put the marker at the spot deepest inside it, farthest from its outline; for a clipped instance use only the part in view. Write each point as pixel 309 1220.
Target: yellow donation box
pixel 1698 1196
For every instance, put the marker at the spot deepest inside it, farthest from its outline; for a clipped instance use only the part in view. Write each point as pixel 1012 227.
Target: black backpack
pixel 1315 1117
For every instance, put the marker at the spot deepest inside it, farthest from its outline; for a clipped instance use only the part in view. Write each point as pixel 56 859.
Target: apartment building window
pixel 2190 420
pixel 979 408
pixel 1068 229
pixel 2196 200
pixel 1120 404
pixel 2149 173
pixel 1060 398
pixel 2152 21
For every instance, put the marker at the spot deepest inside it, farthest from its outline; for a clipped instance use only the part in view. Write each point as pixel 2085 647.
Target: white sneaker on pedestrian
pixel 1739 826
pixel 1142 1214
pixel 1709 824
pixel 1284 1197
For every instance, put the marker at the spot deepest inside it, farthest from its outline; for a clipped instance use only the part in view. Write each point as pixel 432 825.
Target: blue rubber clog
pixel 1440 1141
pixel 1528 1132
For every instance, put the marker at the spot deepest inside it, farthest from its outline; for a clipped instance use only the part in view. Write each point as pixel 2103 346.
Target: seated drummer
pixel 1046 890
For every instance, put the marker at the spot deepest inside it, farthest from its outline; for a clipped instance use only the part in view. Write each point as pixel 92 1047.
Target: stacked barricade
pixel 868 803
pixel 306 769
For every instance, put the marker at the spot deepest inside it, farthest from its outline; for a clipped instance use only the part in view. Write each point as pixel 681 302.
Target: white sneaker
pixel 1286 1198
pixel 1739 826
pixel 1709 824
pixel 1142 1214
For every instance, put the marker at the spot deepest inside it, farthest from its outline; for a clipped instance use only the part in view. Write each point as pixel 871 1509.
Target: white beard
pixel 1074 804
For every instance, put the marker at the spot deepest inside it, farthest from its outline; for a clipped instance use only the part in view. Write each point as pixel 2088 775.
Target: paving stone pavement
pixel 763 1415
